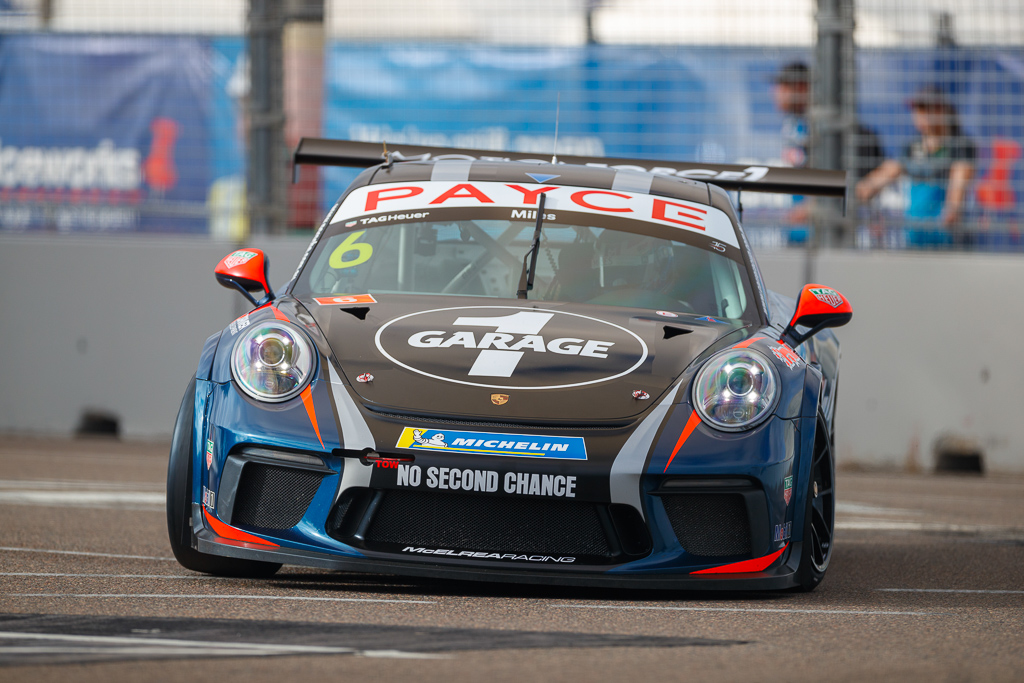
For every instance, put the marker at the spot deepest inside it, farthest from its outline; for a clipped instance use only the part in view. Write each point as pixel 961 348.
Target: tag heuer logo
pixel 238 258
pixel 499 399
pixel 827 296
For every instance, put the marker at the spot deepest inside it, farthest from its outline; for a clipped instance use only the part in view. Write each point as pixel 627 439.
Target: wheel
pixel 179 505
pixel 820 513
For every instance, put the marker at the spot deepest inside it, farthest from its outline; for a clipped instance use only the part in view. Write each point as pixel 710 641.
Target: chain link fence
pixel 157 117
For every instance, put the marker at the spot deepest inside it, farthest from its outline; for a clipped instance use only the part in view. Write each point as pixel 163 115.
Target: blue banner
pixel 102 133
pixel 709 104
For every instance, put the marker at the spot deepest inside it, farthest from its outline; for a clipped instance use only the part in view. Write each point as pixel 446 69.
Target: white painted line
pixel 77 552
pixel 164 646
pixel 845 508
pixel 186 596
pixel 887 525
pixel 949 590
pixel 202 577
pixel 753 609
pixel 78 485
pixel 102 499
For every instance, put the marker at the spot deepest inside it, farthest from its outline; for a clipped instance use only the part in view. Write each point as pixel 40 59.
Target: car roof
pixel 612 179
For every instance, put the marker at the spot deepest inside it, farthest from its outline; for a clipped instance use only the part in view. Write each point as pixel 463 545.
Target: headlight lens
pixel 736 390
pixel 272 362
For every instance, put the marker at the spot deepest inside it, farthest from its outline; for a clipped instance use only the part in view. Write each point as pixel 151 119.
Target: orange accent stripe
pixel 747 342
pixel 691 424
pixel 307 400
pixel 230 532
pixel 278 314
pixel 756 565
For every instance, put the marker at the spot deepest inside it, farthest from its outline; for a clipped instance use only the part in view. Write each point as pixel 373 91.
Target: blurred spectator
pixel 939 164
pixel 791 93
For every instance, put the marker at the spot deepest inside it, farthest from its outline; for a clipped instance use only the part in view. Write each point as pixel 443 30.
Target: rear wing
pixel 809 181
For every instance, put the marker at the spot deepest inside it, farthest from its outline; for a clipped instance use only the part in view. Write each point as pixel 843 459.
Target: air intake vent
pixel 709 524
pixel 271 497
pixel 489 524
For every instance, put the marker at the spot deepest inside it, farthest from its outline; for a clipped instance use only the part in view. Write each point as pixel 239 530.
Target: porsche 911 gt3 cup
pixel 500 369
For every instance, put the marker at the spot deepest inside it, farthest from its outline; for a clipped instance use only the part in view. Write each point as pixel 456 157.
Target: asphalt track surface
pixel 926 584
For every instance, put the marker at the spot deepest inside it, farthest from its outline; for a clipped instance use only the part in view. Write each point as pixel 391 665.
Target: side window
pixel 732 300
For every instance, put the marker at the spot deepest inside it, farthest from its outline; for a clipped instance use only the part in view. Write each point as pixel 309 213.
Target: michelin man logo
pixel 436 441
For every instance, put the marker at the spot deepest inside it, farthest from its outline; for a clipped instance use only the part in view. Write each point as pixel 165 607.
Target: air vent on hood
pixel 358 311
pixel 673 331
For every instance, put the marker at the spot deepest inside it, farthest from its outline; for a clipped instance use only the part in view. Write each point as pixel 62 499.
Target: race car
pixel 493 367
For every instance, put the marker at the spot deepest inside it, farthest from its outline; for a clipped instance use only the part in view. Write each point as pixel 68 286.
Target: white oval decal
pixel 509 347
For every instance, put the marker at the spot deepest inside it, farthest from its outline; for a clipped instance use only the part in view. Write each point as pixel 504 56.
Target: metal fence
pixel 140 117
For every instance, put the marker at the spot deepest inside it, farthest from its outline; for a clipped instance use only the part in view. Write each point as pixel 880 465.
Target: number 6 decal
pixel 363 252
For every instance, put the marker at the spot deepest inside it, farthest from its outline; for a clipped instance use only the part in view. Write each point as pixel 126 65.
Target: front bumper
pixel 645 546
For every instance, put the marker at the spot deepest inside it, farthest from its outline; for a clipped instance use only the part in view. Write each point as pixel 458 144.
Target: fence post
pixel 266 173
pixel 832 115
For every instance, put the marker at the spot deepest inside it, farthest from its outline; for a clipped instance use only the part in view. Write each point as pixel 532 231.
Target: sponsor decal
pixel 709 319
pixel 718 246
pixel 209 500
pixel 209 453
pixel 364 378
pixel 523 348
pixel 413 201
pixel 529 215
pixel 486 481
pixel 827 296
pixel 240 324
pixel 787 489
pixel 641 395
pixel 782 531
pixel 491 443
pixel 786 355
pixel 345 299
pixel 469 554
pixel 238 258
pixel 499 399
pixel 387 218
pixel 667 314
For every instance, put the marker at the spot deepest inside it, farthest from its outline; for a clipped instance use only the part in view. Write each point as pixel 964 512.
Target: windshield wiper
pixel 526 279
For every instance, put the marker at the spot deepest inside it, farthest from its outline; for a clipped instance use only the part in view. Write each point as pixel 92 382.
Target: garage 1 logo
pixel 511 348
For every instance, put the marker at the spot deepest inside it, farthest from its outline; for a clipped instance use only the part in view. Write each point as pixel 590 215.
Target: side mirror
pixel 246 270
pixel 817 308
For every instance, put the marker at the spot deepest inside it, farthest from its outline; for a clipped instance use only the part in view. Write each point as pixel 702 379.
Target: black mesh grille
pixel 273 497
pixel 479 523
pixel 709 525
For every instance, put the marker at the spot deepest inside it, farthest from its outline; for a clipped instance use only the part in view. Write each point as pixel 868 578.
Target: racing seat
pixel 576 278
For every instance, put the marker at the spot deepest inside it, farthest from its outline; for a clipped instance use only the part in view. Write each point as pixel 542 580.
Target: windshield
pixel 583 258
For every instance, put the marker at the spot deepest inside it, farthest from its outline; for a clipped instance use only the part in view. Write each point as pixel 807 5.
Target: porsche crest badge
pixel 499 399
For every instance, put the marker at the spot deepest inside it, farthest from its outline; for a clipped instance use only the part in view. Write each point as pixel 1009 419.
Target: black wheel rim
pixel 823 502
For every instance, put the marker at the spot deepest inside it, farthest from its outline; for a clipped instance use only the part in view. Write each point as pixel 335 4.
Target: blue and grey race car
pixel 497 368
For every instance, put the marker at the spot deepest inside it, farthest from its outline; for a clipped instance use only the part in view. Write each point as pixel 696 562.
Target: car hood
pixel 501 359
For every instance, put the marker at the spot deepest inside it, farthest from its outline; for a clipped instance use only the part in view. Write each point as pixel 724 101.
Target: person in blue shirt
pixel 939 165
pixel 791 93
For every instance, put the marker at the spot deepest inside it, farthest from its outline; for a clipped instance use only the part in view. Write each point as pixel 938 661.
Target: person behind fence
pixel 791 92
pixel 939 165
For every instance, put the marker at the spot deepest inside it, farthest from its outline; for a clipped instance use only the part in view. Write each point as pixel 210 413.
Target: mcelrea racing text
pixel 487 556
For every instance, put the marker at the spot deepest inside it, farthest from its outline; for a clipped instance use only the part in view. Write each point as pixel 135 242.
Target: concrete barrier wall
pixel 117 324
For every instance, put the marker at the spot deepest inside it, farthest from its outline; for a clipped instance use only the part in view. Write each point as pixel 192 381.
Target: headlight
pixel 736 390
pixel 272 362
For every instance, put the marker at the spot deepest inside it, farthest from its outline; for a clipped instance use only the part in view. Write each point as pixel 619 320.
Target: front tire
pixel 179 504
pixel 819 513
